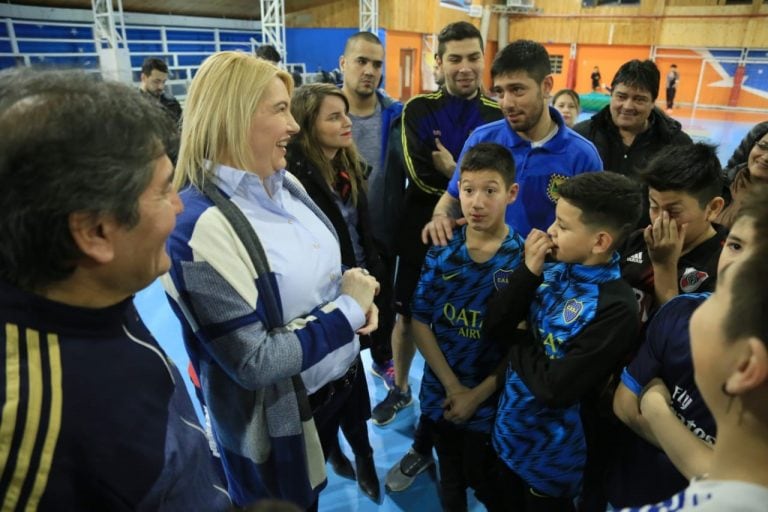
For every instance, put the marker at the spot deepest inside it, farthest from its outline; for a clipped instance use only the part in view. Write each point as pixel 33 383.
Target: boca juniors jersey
pixel 451 297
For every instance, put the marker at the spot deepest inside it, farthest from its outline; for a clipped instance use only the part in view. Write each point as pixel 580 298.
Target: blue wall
pixel 319 48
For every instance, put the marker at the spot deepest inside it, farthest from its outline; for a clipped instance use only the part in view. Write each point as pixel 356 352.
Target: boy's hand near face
pixel 665 240
pixel 537 246
pixel 665 245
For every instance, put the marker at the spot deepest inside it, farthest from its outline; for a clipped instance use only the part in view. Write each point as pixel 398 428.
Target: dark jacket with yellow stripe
pixel 94 415
pixel 425 117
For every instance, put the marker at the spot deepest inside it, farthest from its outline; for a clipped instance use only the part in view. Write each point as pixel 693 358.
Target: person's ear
pixel 342 62
pixel 512 193
pixel 92 234
pixel 603 243
pixel 714 207
pixel 752 370
pixel 546 86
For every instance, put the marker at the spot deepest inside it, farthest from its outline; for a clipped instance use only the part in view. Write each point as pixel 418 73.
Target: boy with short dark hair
pixel 463 370
pixel 578 315
pixel 679 440
pixel 678 252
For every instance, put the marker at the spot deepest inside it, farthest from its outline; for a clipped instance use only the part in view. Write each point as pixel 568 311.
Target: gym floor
pixel 390 442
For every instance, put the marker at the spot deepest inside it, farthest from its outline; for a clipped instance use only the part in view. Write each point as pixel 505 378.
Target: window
pixel 556 61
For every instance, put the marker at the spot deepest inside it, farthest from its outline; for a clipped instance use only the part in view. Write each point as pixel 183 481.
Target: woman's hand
pixel 371 321
pixel 361 286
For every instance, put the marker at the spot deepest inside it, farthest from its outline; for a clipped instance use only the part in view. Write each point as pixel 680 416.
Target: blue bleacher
pixel 142 34
pixel 189 35
pixel 72 45
pixel 191 60
pixel 241 37
pixel 91 62
pixel 191 47
pixel 43 31
pixel 54 47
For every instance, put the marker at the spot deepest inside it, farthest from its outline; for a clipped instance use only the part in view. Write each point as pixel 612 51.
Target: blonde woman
pixel 324 158
pixel 262 328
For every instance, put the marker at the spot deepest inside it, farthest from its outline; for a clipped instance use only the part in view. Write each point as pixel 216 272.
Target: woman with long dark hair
pixel 324 158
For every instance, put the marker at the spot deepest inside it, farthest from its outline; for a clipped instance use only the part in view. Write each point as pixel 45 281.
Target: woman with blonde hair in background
pixel 256 281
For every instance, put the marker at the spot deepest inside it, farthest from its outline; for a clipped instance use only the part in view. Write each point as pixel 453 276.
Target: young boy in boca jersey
pixel 463 370
pixel 678 252
pixel 578 312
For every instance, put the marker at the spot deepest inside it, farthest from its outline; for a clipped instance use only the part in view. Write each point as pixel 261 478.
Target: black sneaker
pixel 386 410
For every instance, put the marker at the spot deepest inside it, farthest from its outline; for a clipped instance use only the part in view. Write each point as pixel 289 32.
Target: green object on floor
pixel 594 101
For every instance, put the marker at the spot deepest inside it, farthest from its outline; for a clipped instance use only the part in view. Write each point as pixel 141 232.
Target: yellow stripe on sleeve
pixel 406 153
pixel 54 424
pixel 32 423
pixel 11 405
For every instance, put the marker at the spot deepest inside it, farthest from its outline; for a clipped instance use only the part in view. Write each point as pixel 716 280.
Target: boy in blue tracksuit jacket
pixel 580 318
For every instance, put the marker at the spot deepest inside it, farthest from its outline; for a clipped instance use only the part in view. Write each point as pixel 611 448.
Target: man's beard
pixel 530 122
pixel 534 118
pixel 365 93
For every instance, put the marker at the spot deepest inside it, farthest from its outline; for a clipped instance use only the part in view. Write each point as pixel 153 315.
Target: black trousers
pixel 467 459
pixel 517 495
pixel 671 91
pixel 423 437
pixel 380 340
pixel 348 406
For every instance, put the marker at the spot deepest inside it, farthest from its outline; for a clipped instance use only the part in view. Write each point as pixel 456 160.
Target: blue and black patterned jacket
pixel 582 320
